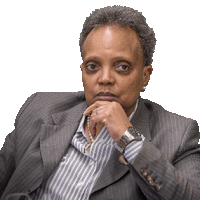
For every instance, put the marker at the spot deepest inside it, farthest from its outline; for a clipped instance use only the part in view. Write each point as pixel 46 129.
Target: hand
pixel 111 115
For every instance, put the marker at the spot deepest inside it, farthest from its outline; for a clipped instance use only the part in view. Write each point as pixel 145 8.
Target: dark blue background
pixel 39 52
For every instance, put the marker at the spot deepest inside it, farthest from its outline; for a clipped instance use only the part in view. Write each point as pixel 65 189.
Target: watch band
pixel 130 135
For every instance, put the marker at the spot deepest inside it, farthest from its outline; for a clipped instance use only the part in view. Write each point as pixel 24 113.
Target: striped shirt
pixel 79 169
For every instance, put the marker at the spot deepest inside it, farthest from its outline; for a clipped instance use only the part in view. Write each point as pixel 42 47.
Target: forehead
pixel 112 40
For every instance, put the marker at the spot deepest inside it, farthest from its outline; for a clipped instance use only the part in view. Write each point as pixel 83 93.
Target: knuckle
pixel 107 113
pixel 114 104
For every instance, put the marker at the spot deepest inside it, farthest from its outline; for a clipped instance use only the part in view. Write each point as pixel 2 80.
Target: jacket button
pixel 151 182
pixel 144 172
pixel 149 178
pixel 157 187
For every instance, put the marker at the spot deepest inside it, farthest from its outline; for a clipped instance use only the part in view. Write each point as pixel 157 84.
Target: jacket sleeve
pixel 8 151
pixel 159 178
pixel 7 164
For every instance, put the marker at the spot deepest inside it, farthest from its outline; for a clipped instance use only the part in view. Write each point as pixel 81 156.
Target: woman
pixel 105 142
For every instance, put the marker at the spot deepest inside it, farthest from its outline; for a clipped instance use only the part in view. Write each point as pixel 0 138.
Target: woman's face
pixel 112 68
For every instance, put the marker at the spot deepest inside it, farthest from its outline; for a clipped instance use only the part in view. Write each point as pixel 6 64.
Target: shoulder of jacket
pixel 25 105
pixel 50 101
pixel 157 111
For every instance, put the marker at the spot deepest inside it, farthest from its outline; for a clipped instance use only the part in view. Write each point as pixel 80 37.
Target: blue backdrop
pixel 39 52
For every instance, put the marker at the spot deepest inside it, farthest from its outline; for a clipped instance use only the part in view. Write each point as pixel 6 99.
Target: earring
pixel 144 88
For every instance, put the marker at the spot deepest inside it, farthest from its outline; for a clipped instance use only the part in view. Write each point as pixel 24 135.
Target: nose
pixel 106 77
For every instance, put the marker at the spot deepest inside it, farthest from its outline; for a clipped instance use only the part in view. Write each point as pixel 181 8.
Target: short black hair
pixel 125 17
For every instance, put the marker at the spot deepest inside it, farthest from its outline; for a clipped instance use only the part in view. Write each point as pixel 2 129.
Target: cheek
pixel 129 84
pixel 88 86
pixel 86 81
pixel 131 87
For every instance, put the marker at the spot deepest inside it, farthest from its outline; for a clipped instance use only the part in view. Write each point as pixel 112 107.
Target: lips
pixel 105 94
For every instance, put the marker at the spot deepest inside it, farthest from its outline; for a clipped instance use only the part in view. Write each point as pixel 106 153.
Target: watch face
pixel 134 132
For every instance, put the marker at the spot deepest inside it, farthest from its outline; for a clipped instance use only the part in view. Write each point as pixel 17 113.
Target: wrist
pixel 130 135
pixel 122 131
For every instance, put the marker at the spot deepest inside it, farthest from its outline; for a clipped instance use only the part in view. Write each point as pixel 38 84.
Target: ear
pixel 147 71
pixel 81 66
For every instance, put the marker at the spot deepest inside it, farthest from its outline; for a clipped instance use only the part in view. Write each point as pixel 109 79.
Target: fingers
pixel 90 109
pixel 99 113
pixel 94 120
pixel 93 107
pixel 96 112
pixel 93 130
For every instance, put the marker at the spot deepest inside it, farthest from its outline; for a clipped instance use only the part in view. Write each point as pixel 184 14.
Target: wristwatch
pixel 130 135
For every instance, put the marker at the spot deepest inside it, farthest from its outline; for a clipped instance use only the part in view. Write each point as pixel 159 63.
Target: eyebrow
pixel 121 58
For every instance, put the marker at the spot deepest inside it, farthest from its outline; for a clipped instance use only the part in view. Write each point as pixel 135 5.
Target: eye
pixel 123 68
pixel 91 67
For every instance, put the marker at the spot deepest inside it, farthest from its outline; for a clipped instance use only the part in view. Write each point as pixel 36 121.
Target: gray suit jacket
pixel 167 166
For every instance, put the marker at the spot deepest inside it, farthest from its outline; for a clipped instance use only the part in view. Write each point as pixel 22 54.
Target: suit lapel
pixel 141 119
pixel 55 139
